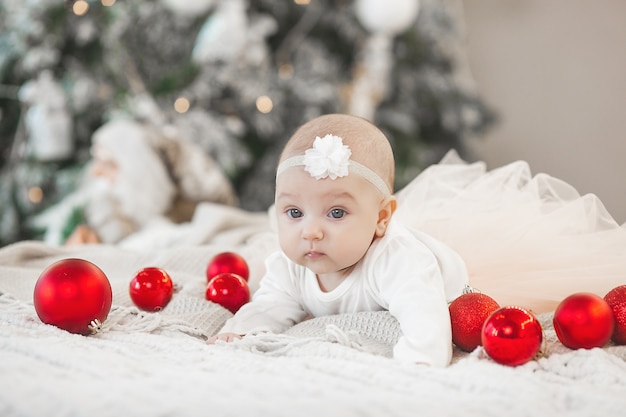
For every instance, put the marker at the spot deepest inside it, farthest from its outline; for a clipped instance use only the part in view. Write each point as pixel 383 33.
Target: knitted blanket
pixel 158 364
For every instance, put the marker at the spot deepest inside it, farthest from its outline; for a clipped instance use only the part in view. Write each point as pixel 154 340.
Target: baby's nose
pixel 312 231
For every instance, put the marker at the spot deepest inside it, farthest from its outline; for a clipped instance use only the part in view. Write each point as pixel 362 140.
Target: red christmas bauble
pixel 74 295
pixel 616 299
pixel 512 336
pixel 583 320
pixel 468 313
pixel 151 289
pixel 227 262
pixel 228 290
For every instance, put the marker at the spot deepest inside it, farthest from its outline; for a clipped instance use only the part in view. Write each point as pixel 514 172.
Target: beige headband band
pixel 329 157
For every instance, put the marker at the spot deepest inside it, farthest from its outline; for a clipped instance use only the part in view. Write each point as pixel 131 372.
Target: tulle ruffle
pixel 526 240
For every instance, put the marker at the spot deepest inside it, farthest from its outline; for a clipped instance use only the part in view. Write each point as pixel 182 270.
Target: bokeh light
pixel 182 105
pixel 264 104
pixel 80 7
pixel 285 71
pixel 35 195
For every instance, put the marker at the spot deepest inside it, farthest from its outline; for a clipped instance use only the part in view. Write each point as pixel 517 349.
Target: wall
pixel 556 73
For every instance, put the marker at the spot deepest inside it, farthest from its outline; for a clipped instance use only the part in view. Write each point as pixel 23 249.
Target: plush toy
pixel 138 178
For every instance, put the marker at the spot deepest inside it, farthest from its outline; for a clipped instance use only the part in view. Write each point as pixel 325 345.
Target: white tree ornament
pixel 387 16
pixel 48 122
pixel 189 8
pixel 223 35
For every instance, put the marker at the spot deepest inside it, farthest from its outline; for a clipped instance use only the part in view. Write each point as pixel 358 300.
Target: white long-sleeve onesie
pixel 406 272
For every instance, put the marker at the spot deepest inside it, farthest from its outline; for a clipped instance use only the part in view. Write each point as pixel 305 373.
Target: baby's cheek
pixel 355 247
pixel 289 248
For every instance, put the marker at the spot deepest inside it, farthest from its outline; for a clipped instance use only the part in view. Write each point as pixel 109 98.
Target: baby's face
pixel 326 225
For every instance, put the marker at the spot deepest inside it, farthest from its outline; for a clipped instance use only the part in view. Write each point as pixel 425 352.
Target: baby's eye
pixel 294 213
pixel 337 213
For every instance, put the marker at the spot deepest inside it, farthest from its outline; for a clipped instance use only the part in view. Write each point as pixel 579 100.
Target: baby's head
pixel 368 144
pixel 334 188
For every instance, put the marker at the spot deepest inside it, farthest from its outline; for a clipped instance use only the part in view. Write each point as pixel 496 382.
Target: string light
pixel 285 71
pixel 181 105
pixel 264 104
pixel 35 195
pixel 108 3
pixel 80 7
pixel 302 2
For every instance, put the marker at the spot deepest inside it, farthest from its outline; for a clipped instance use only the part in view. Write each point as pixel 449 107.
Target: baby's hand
pixel 226 337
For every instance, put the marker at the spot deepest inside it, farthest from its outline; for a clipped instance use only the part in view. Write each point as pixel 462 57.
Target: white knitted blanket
pixel 158 364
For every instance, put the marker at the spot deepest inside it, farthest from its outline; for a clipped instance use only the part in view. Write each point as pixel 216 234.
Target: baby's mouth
pixel 313 254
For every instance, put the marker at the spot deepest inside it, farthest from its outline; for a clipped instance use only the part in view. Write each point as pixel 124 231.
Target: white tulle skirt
pixel 527 241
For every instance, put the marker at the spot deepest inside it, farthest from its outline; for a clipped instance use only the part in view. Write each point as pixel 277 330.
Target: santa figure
pixel 138 179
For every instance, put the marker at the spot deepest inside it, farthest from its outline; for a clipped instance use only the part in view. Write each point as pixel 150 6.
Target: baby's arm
pixel 413 293
pixel 275 306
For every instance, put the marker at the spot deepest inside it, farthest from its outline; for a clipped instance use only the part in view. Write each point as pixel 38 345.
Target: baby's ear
pixel 387 208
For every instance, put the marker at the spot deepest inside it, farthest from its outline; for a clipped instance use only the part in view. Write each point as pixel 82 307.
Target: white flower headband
pixel 329 157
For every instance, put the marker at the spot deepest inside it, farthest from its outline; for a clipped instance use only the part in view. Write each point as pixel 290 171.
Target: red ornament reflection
pixel 74 295
pixel 616 299
pixel 512 336
pixel 583 320
pixel 151 289
pixel 227 262
pixel 228 290
pixel 468 313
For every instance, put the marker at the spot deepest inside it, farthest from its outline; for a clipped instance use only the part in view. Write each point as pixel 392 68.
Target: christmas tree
pixel 234 76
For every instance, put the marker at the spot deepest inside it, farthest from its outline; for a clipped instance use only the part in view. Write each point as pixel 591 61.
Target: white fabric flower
pixel 328 157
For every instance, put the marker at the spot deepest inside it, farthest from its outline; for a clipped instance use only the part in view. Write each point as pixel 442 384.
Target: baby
pixel 342 251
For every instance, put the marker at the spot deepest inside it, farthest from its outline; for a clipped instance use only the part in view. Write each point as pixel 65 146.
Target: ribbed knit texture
pixel 158 364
